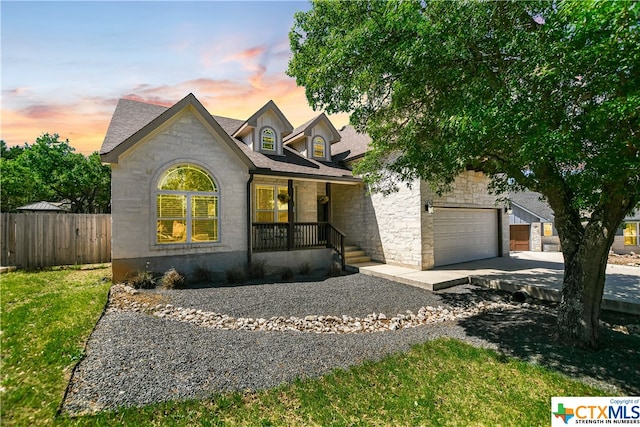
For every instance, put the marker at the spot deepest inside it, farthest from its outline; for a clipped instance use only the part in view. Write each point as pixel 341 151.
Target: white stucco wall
pixel 185 139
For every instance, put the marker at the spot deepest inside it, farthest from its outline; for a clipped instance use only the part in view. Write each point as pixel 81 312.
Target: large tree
pixel 51 170
pixel 539 95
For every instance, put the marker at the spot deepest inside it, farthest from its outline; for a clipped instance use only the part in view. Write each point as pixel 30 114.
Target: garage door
pixel 519 237
pixel 462 235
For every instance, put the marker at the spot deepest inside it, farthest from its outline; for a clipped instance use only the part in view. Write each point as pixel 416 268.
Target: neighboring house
pixel 531 223
pixel 626 239
pixel 43 207
pixel 194 190
pixel 532 226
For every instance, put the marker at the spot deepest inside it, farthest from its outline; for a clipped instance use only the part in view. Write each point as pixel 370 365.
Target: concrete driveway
pixel 540 273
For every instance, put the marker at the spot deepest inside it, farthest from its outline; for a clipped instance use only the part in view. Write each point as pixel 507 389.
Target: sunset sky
pixel 66 64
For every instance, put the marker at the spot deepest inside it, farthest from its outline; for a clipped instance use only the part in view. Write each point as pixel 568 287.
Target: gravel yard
pixel 136 358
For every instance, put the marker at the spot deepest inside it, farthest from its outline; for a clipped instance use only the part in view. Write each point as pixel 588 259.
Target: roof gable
pixel 533 203
pixel 120 122
pixel 307 128
pixel 253 120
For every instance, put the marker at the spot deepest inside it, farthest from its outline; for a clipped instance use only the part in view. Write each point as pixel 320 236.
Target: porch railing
pixel 282 236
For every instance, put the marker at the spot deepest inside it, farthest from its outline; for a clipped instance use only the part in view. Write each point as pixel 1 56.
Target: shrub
pixel 236 275
pixel 304 268
pixel 201 274
pixel 334 270
pixel 257 270
pixel 141 280
pixel 172 279
pixel 287 273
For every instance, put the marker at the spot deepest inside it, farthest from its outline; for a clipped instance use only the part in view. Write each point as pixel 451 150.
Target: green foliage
pixel 47 317
pixel 50 170
pixel 548 93
pixel 538 95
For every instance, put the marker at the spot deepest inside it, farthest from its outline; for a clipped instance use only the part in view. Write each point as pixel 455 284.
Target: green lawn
pixel 47 316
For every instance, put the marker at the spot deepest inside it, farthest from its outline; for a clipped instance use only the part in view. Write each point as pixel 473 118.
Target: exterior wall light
pixel 508 209
pixel 429 207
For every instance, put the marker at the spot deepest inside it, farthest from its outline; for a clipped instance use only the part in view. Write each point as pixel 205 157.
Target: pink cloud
pixel 84 121
pixel 246 54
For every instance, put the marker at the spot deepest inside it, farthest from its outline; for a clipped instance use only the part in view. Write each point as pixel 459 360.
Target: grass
pixel 47 316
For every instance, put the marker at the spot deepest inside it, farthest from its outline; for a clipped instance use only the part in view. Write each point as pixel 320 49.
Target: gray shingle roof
pixel 352 145
pixel 309 124
pixel 130 117
pixel 531 201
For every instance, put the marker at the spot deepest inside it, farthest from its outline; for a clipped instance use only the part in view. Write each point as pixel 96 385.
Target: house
pixel 531 223
pixel 190 189
pixel 532 228
pixel 626 238
pixel 43 206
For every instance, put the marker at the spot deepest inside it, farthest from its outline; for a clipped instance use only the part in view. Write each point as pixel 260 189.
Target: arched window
pixel 187 206
pixel 318 147
pixel 268 139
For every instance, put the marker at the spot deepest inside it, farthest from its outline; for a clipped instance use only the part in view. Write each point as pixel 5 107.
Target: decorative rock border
pixel 375 322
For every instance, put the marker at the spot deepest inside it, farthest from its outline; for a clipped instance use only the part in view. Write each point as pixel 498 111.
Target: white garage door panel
pixel 462 235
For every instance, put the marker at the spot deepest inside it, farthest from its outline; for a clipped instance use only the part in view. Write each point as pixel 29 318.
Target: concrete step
pixel 351 248
pixel 351 254
pixel 357 259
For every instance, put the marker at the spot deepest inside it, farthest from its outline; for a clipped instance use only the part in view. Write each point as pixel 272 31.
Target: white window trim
pixel 275 140
pixel 313 149
pixel 188 220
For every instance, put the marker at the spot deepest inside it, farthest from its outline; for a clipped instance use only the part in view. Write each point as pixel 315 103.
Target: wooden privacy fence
pixel 32 240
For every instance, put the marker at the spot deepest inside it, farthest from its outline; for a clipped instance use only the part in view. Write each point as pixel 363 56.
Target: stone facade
pixel 397 229
pixel 535 238
pixel 182 140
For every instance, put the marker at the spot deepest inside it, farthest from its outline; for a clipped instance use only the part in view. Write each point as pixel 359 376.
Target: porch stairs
pixel 355 258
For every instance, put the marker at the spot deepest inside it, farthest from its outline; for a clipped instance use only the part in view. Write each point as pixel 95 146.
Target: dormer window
pixel 267 139
pixel 319 147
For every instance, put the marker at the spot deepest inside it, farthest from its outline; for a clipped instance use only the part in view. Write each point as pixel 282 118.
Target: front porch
pixel 290 236
pixel 293 215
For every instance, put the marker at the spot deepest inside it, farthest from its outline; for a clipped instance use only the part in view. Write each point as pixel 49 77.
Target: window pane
pixel 264 216
pixel 187 178
pixel 204 206
pixel 268 139
pixel 204 230
pixel 265 198
pixel 630 234
pixel 318 146
pixel 172 206
pixel 283 216
pixel 548 229
pixel 172 231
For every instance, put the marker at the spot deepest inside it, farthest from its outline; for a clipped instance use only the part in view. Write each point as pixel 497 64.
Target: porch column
pixel 290 232
pixel 328 193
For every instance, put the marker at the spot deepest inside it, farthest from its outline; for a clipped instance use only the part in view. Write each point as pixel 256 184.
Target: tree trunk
pixel 582 290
